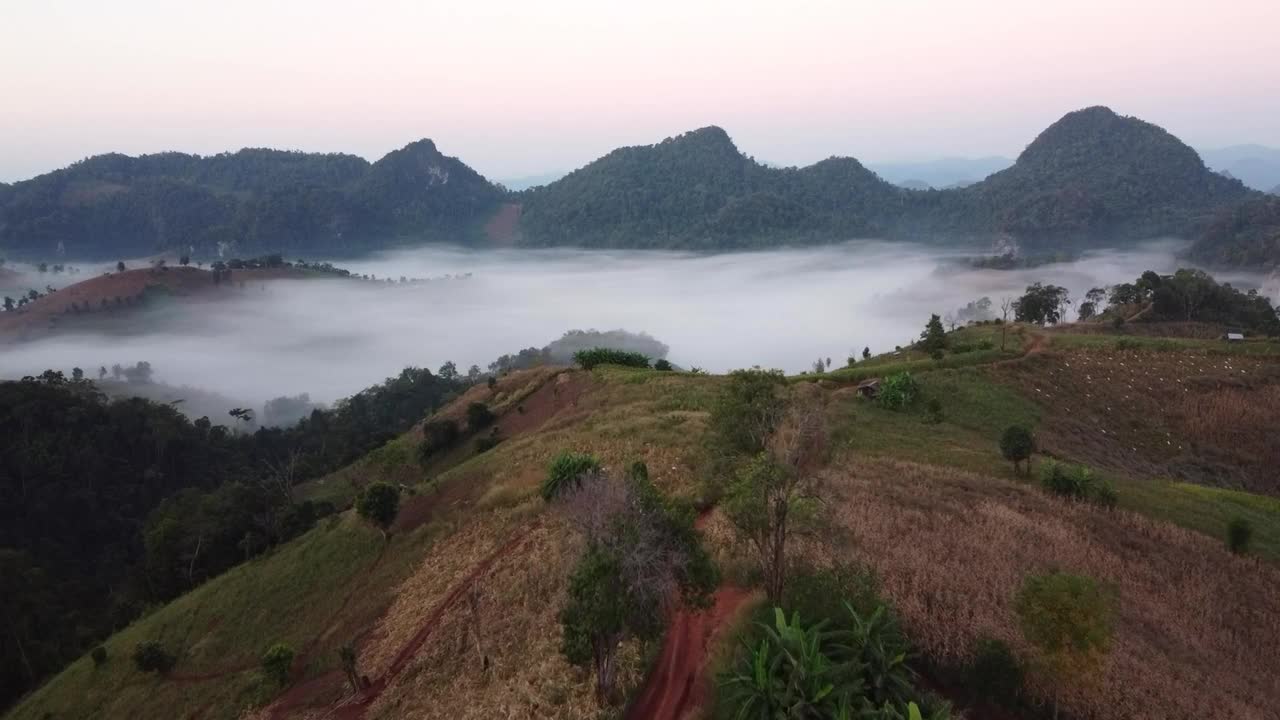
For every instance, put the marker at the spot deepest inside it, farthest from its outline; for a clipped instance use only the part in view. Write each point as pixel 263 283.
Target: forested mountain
pixel 1257 166
pixel 1243 235
pixel 1093 176
pixel 255 200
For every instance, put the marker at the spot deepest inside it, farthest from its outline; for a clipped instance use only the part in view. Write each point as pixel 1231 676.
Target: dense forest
pixel 1092 177
pixel 108 507
pixel 253 200
pixel 1243 235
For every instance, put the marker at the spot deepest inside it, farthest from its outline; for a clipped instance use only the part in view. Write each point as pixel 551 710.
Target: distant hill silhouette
pixel 1257 166
pixel 1092 177
pixel 1244 235
pixel 940 173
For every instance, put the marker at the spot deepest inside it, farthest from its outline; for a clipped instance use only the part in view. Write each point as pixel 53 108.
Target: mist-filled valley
pixel 329 338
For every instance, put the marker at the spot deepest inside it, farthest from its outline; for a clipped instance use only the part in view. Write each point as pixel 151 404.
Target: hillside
pixel 250 202
pixel 1093 177
pixel 1245 235
pixel 457 615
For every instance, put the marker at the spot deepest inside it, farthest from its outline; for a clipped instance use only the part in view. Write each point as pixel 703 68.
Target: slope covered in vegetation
pixel 459 613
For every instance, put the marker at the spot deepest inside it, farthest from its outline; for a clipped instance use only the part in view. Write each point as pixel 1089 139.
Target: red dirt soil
pixel 353 707
pixel 679 682
pixel 504 227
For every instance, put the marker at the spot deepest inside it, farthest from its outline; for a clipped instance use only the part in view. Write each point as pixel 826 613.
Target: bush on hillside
pixel 276 662
pixel 1239 535
pixel 150 656
pixel 662 364
pixel 478 416
pixel 99 655
pixel 566 472
pixel 898 391
pixel 1016 445
pixel 379 503
pixel 437 436
pixel 995 675
pixel 588 359
pixel 486 443
pixel 1077 482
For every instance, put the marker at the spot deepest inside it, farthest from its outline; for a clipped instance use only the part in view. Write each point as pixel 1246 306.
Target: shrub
pixel 995 675
pixel 662 364
pixel 933 411
pixel 99 655
pixel 1016 445
pixel 566 471
pixel 492 382
pixel 379 504
pixel 1239 535
pixel 150 656
pixel 1068 619
pixel 276 662
pixel 486 443
pixel 588 359
pixel 1077 482
pixel 898 391
pixel 437 436
pixel 479 415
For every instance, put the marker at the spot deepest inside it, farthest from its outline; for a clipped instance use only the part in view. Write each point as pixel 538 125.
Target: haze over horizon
pixel 560 84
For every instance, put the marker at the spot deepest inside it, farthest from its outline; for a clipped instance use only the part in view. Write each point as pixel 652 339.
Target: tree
pixel 1041 304
pixel 150 656
pixel 1006 304
pixel 473 374
pixel 776 493
pixel 1016 445
pixel 102 372
pixel 1239 535
pixel 184 260
pixel 120 266
pixel 448 371
pixel 934 337
pixel 790 674
pixel 347 658
pixel 1067 619
pixel 276 663
pixel 8 303
pixel 77 374
pixel 642 550
pixel 379 504
pixel 662 365
pixel 748 410
pixel 437 435
pixel 866 353
pixel 478 416
pixel 1092 302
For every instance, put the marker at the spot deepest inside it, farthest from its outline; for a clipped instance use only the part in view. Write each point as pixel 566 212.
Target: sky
pixel 522 88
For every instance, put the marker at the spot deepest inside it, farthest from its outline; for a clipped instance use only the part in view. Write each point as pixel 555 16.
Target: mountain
pixel 1092 177
pixel 1098 174
pixel 941 173
pixel 524 182
pixel 1245 235
pixel 1257 166
pixel 254 200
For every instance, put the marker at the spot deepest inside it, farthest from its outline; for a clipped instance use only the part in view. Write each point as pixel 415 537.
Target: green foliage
pixel 933 411
pixel 150 656
pixel 1068 619
pixel 663 365
pixel 379 503
pixel 1016 444
pixel 486 443
pixel 1239 535
pixel 747 411
pixel 99 656
pixel 1242 235
pixel 479 416
pixel 1041 304
pixel 1077 482
pixel 790 674
pixel 589 359
pixel 934 337
pixel 995 675
pixel 567 471
pixel 898 391
pixel 437 436
pixel 277 662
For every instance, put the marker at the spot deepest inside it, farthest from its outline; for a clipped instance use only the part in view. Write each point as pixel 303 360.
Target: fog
pixel 783 308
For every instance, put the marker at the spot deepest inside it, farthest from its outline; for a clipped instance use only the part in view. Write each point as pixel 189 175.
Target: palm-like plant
pixel 875 643
pixel 790 676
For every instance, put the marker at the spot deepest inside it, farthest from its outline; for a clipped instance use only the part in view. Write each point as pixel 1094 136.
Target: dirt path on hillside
pixel 354 706
pixel 680 679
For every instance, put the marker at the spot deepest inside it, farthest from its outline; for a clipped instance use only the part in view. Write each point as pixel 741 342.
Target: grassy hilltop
pixel 455 614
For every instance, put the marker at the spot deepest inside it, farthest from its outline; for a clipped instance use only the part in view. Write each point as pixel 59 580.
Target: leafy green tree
pixel 662 365
pixel 593 357
pixel 437 436
pixel 1068 620
pixel 566 472
pixel 184 260
pixel 1016 445
pixel 748 410
pixel 866 353
pixel 479 416
pixel 150 656
pixel 1239 535
pixel 379 503
pixel 277 663
pixel 1041 304
pixel 934 337
pixel 641 549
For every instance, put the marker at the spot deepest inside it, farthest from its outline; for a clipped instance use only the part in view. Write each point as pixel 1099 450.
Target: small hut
pixel 869 388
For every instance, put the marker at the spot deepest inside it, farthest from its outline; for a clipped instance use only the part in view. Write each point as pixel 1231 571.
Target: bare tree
pixel 777 492
pixel 1006 304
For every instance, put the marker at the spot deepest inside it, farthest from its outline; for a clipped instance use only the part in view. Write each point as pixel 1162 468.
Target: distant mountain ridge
pixel 1091 177
pixel 1257 166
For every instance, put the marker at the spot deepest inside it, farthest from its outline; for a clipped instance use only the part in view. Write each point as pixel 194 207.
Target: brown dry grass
pixel 1196 629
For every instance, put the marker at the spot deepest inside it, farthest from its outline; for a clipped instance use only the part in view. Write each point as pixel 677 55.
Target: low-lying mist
pixel 333 337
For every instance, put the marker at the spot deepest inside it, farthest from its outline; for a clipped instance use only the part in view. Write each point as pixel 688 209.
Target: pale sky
pixel 518 88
